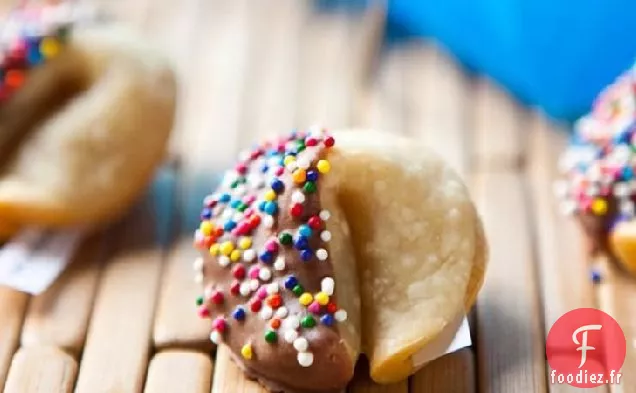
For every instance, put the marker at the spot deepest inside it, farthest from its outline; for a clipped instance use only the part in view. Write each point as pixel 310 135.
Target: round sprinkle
pixel 203 312
pixel 332 308
pixel 270 208
pixel 305 359
pixel 229 225
pixel 599 207
pixel 322 254
pixel 314 222
pixel 290 335
pixel 279 264
pixel 266 313
pixel 309 187
pixel 312 175
pixel 301 344
pixel 227 248
pixel 282 312
pixel 341 315
pixel 296 210
pixel 268 221
pixel 314 308
pixel 324 215
pixel 327 286
pixel 329 141
pixel 198 278
pixel 325 236
pixel 299 176
pixel 224 261
pixel 291 282
pixel 304 230
pixel 308 321
pixel 215 337
pixel 323 166
pixel 239 313
pixel 199 300
pixel 285 238
pixel 270 195
pixel 245 243
pixel 235 287
pixel 206 228
pixel 214 249
pixel 288 159
pixel 254 284
pixel 277 185
pixel 235 256
pixel 303 163
pixel 298 290
pixel 298 197
pixel 271 336
pixel 595 275
pixel 322 298
pixel 219 324
pixel 249 255
pixel 217 297
pixel 292 322
pixel 245 289
pixel 306 255
pixel 238 272
pixel 271 245
pixel 265 274
pixel 301 243
pixel 246 351
pixel 275 301
pixel 267 257
pixel 272 288
pixel 255 305
pixel 327 320
pixel 198 264
pixel 305 299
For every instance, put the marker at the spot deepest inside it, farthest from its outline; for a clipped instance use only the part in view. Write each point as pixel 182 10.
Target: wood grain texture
pixel 118 342
pixel 510 346
pixel 177 323
pixel 41 370
pixel 452 373
pixel 47 320
pixel 12 309
pixel 179 372
pixel 229 378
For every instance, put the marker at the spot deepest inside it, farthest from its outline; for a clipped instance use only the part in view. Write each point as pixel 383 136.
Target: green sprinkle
pixel 298 290
pixel 241 207
pixel 309 187
pixel 285 238
pixel 271 336
pixel 300 145
pixel 199 300
pixel 234 184
pixel 308 321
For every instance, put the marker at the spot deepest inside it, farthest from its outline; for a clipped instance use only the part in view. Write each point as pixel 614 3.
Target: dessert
pixel 599 183
pixel 320 246
pixel 86 110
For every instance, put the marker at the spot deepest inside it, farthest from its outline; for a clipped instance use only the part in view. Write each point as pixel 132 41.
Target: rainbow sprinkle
pixel 599 165
pixel 249 203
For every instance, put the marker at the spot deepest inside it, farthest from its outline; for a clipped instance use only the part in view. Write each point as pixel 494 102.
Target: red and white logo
pixel 585 348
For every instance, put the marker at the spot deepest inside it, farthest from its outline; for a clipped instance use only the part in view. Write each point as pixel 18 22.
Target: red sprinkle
pixel 217 297
pixel 311 142
pixel 296 210
pixel 208 241
pixel 204 312
pixel 329 141
pixel 256 305
pixel 275 301
pixel 238 272
pixel 219 324
pixel 241 168
pixel 314 222
pixel 248 212
pixel 255 220
pixel 332 308
pixel 219 232
pixel 235 288
pixel 279 171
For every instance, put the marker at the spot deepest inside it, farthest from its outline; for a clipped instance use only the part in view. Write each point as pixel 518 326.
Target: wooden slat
pixel 12 309
pixel 41 370
pixel 229 378
pixel 497 121
pixel 47 321
pixel 363 384
pixel 177 323
pixel 118 342
pixel 179 371
pixel 510 344
pixel 451 373
pixel 563 263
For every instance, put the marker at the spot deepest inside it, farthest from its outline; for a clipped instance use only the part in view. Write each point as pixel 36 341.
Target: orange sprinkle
pixel 14 78
pixel 275 323
pixel 299 176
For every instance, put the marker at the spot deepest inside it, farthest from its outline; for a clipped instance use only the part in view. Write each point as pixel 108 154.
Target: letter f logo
pixel 584 347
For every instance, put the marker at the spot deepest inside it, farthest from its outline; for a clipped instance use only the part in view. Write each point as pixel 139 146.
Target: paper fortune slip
pixel 453 338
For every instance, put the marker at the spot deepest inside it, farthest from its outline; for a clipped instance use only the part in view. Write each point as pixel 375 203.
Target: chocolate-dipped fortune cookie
pixel 320 246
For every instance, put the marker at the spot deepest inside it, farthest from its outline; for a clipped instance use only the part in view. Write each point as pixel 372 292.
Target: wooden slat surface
pixel 247 69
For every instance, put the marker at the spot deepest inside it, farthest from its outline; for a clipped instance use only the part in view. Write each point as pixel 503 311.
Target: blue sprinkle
pixel 596 276
pixel 304 230
pixel 623 137
pixel 264 168
pixel 270 208
pixel 261 205
pixel 225 198
pixel 327 320
pixel 281 162
pixel 628 173
pixel 312 175
pixel 206 214
pixel 229 225
pixel 277 185
pixel 306 255
pixel 235 203
pixel 239 313
pixel 301 243
pixel 291 282
pixel 266 257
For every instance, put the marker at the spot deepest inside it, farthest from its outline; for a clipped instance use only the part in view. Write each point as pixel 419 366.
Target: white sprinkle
pixel 198 278
pixel 245 289
pixel 305 359
pixel 303 162
pixel 290 335
pixel 272 288
pixel 227 213
pixel 340 315
pixel 254 284
pixel 279 264
pixel 249 255
pixel 281 312
pixel 266 312
pixel 268 221
pixel 325 236
pixel 198 264
pixel 301 344
pixel 327 285
pixel 224 261
pixel 324 215
pixel 322 254
pixel 207 292
pixel 240 190
pixel 264 274
pixel 621 189
pixel 256 181
pixel 292 322
pixel 291 166
pixel 215 337
pixel 298 197
pixel 238 216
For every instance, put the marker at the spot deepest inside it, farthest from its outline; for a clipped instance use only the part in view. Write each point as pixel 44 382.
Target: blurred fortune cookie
pixel 598 166
pixel 86 110
pixel 320 246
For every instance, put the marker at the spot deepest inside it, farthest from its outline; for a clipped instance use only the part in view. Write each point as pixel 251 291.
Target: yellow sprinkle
pixel 289 159
pixel 227 248
pixel 206 228
pixel 599 207
pixel 305 299
pixel 323 166
pixel 322 298
pixel 214 249
pixel 49 47
pixel 270 195
pixel 235 255
pixel 246 351
pixel 245 243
